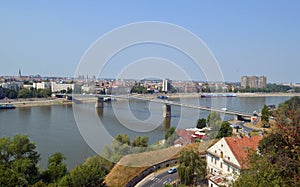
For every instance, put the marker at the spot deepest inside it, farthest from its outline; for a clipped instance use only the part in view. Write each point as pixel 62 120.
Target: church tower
pixel 20 75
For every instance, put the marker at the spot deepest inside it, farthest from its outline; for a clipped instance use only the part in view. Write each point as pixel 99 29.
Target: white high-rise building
pixel 166 86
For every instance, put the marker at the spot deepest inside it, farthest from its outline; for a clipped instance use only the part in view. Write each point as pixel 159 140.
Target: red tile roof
pixel 240 147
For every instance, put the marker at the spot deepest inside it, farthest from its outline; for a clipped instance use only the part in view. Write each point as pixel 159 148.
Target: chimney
pixel 248 135
pixel 240 136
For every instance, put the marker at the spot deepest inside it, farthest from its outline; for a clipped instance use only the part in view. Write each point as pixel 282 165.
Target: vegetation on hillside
pixel 278 161
pixel 19 167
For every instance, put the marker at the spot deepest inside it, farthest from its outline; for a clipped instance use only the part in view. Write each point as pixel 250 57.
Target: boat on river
pixel 218 95
pixel 7 106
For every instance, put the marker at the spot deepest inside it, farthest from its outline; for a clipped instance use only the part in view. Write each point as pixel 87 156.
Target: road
pixel 158 179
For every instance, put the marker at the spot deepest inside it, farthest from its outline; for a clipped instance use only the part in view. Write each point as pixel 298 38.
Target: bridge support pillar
pixel 236 117
pixel 99 102
pixel 166 110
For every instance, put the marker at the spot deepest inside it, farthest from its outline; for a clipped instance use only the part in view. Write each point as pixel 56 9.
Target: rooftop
pixel 240 147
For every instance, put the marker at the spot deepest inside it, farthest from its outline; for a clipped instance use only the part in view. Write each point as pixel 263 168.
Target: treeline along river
pixel 54 129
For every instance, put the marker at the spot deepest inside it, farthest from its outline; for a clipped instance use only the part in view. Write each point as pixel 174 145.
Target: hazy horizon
pixel 247 38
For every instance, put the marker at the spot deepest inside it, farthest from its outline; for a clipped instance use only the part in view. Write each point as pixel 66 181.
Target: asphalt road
pixel 159 179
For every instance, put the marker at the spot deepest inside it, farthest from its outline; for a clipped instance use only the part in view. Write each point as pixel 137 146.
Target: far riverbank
pixel 32 102
pixel 195 95
pixel 59 101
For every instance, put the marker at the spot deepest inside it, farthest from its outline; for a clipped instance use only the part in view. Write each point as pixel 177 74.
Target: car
pixel 172 170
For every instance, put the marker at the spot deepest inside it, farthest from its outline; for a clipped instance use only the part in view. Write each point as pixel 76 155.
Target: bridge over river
pixel 100 99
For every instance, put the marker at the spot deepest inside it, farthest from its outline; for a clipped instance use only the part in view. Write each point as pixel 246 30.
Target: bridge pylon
pixel 99 102
pixel 166 110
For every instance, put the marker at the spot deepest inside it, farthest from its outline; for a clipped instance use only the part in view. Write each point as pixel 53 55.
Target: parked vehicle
pixel 172 170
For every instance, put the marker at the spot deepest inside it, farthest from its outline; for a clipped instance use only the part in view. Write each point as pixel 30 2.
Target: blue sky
pixel 246 37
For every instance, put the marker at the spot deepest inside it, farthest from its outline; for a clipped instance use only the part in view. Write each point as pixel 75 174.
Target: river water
pixel 55 129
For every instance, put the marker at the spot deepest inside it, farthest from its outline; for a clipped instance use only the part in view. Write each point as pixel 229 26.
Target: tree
pixel 25 93
pixel 201 123
pixel 191 166
pixel 225 130
pixel 122 139
pixel 140 141
pixel 56 169
pixel 213 117
pixel 11 94
pixel 265 114
pixel 91 173
pixel 19 160
pixel 170 136
pixel 278 162
pixel 43 93
pixel 169 132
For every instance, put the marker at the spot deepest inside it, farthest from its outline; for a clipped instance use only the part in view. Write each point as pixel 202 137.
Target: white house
pixel 57 87
pixel 226 158
pixel 42 85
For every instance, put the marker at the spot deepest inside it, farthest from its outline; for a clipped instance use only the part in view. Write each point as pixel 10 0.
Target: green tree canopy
pixel 225 130
pixel 18 159
pixel 170 136
pixel 25 93
pixel 169 132
pixel 213 117
pixel 191 166
pixel 56 169
pixel 140 141
pixel 122 139
pixel 201 123
pixel 265 114
pixel 91 173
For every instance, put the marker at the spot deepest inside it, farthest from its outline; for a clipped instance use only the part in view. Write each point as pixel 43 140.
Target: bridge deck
pixel 229 112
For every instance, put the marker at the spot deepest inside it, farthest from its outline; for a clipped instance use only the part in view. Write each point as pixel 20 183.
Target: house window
pixel 228 158
pixel 228 168
pixel 216 161
pixel 221 165
pixel 212 159
pixel 211 170
pixel 221 154
pixel 211 185
pixel 215 151
pixel 221 145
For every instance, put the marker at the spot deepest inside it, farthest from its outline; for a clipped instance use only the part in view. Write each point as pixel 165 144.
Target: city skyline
pixel 247 38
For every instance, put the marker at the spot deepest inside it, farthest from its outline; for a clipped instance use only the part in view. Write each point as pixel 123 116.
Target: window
pixel 215 151
pixel 228 168
pixel 211 170
pixel 211 185
pixel 228 158
pixel 221 165
pixel 221 154
pixel 215 161
pixel 221 145
pixel 212 159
